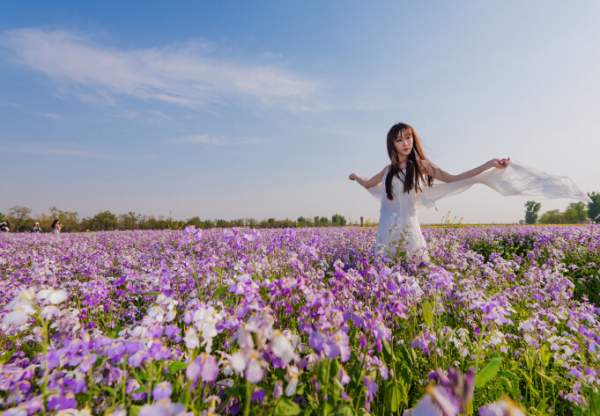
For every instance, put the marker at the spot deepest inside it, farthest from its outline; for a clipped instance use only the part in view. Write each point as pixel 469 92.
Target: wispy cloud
pixel 181 75
pixel 215 141
pixel 9 104
pixel 52 116
pixel 45 149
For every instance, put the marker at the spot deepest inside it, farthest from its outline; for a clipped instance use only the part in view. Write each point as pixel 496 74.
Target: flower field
pixel 300 321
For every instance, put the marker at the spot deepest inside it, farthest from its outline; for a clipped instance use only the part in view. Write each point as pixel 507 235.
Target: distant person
pixel 36 228
pixel 56 226
pixel 4 227
pixel 408 182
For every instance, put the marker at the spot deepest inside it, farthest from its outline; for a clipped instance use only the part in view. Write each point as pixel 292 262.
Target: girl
pixel 408 181
pixel 56 226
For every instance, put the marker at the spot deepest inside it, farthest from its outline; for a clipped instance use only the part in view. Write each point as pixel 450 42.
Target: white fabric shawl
pixel 515 179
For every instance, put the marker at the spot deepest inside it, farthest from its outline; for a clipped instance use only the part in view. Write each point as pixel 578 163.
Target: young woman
pixel 409 180
pixel 56 226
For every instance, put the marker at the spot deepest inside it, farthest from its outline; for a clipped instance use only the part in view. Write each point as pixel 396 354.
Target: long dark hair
pixel 413 176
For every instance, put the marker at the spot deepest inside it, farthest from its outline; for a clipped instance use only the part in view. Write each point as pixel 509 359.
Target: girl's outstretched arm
pixel 368 183
pixel 432 169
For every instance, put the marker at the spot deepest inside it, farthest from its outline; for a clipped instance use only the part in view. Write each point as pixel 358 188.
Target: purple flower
pixel 52 359
pixel 162 391
pixel 371 388
pixel 423 341
pixel 62 402
pixel 258 396
pixel 204 367
pixel 278 389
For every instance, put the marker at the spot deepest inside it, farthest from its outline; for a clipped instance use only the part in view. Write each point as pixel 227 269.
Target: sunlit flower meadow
pixel 500 321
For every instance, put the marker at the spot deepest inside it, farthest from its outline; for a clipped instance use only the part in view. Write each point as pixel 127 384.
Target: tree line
pixel 575 213
pixel 20 219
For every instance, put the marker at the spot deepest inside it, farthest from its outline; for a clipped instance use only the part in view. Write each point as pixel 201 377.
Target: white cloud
pixel 52 116
pixel 215 141
pixel 181 75
pixel 45 149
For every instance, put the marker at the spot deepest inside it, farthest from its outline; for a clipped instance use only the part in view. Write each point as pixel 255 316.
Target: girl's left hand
pixel 500 163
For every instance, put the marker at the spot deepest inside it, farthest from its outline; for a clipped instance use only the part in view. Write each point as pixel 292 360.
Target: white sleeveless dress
pixel 398 220
pixel 399 226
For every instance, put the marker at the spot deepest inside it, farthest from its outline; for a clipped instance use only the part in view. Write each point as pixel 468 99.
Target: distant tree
pixel 531 211
pixel 338 220
pixel 129 221
pixel 222 223
pixel 551 217
pixel 20 218
pixel 195 221
pixel 594 207
pixel 102 221
pixel 576 213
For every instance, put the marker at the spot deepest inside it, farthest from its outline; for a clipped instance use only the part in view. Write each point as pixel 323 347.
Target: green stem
pixel 248 398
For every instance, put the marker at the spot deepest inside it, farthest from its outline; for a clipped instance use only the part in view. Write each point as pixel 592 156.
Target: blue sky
pixel 262 109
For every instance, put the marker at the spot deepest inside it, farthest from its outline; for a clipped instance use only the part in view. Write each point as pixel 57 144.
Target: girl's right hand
pixel 352 177
pixel 499 163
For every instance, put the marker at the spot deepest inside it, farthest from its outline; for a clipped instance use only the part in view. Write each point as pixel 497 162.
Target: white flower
pixel 206 319
pixel 254 371
pixel 191 338
pixel 504 406
pixel 19 310
pixel 244 338
pixel 238 362
pixel 282 347
pixel 139 332
pixel 250 362
pixel 53 296
pixel 50 311
pixel 27 295
pixel 15 318
pixel 156 313
pixel 292 376
pixel 57 296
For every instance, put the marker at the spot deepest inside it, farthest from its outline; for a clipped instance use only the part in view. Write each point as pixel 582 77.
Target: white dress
pixel 399 226
pixel 398 221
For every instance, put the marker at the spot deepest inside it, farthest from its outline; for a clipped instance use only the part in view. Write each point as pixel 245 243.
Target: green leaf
pixel 334 368
pixel 323 373
pixel 344 410
pixel 545 355
pixel 488 372
pixel 545 377
pixel 6 356
pixel 325 409
pixel 221 291
pixel 395 398
pixel 388 349
pixel 152 293
pixel 134 410
pixel 286 407
pixel 428 314
pixel 176 366
pixel 511 380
